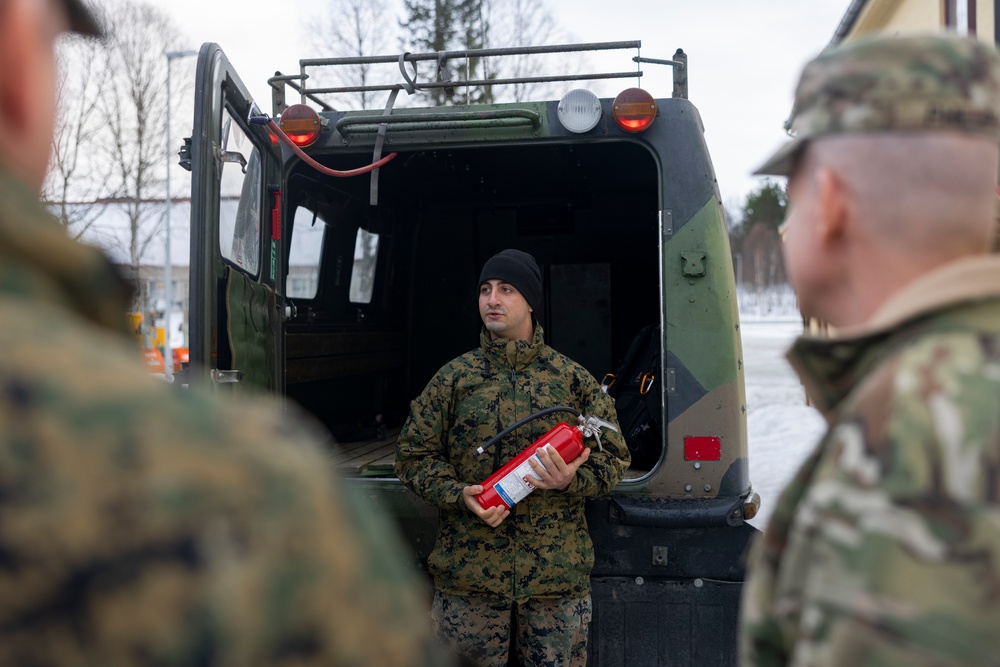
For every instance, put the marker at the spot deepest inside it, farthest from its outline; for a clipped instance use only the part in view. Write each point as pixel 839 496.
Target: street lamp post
pixel 168 279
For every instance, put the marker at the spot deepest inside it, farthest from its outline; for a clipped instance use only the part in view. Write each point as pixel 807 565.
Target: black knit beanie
pixel 518 269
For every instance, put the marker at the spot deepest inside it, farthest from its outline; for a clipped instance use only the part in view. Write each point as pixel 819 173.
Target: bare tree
pixel 135 103
pixel 75 180
pixel 510 23
pixel 762 260
pixel 352 28
pixel 365 28
pixel 107 152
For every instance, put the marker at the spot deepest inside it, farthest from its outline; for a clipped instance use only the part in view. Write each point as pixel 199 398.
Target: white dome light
pixel 579 110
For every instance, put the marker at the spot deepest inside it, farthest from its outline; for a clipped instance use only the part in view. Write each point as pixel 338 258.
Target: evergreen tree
pixel 755 240
pixel 766 205
pixel 446 25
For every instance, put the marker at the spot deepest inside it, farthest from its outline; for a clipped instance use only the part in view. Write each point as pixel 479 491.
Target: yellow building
pixel 896 17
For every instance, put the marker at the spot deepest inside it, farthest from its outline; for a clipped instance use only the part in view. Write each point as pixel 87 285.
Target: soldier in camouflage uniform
pixel 538 557
pixel 142 525
pixel 884 550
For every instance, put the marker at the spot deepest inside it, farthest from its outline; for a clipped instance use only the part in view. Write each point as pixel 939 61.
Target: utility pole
pixel 168 278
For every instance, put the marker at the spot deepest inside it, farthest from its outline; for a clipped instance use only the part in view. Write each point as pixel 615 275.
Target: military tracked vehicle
pixel 345 294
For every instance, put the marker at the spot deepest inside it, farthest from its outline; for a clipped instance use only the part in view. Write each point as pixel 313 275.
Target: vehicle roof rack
pixel 410 83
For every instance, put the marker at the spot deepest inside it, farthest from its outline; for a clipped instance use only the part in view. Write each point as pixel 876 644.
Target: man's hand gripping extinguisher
pixel 506 486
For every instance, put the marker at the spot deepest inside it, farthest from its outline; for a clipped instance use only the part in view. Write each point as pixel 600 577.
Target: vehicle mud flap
pixel 647 622
pixel 666 581
pixel 251 314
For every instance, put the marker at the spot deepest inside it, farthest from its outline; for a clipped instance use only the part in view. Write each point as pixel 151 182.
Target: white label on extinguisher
pixel 511 487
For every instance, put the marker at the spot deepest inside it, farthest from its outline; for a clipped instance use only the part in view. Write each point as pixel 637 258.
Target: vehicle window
pixel 240 198
pixel 308 232
pixel 363 274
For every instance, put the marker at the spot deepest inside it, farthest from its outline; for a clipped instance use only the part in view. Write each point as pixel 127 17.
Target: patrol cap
pixel 894 84
pixel 81 19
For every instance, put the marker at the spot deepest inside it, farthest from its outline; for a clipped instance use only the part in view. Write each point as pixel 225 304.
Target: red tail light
pixel 301 123
pixel 634 109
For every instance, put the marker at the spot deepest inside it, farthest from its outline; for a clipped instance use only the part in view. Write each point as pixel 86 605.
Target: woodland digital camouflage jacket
pixel 543 548
pixel 144 525
pixel 884 550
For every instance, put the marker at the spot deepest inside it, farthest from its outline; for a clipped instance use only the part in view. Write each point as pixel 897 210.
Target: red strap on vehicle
pixel 276 217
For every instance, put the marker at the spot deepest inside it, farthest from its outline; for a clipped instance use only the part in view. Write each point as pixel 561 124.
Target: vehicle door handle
pixel 227 377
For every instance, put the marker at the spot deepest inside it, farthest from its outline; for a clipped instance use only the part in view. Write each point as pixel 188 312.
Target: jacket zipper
pixel 513 515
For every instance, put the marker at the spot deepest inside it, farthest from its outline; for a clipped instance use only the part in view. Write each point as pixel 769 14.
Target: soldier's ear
pixel 14 35
pixel 28 82
pixel 23 33
pixel 28 32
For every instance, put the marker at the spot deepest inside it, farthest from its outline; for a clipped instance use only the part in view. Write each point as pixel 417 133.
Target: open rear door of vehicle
pixel 236 332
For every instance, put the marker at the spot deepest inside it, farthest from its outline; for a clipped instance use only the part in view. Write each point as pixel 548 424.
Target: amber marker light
pixel 634 110
pixel 301 124
pixel 751 506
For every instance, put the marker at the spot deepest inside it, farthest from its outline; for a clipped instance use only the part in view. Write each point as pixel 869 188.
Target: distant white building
pixel 105 225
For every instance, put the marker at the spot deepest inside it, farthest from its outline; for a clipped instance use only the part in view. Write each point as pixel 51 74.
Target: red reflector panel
pixel 702 448
pixel 276 217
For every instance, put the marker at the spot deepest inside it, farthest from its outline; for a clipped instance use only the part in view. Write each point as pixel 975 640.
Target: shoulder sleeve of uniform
pixel 194 527
pixel 925 421
pixel 902 492
pixel 318 576
pixel 422 462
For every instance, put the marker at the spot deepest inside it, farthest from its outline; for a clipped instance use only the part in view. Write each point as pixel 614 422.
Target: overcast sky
pixel 744 56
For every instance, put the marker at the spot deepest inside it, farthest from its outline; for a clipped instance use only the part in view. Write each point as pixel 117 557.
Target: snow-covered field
pixel 782 429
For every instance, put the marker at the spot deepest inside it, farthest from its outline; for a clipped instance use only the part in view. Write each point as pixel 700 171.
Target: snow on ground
pixel 781 428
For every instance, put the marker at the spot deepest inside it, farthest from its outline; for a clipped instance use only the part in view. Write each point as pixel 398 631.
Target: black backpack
pixel 636 388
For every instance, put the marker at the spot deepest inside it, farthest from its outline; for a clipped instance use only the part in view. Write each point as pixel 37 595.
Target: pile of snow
pixel 769 303
pixel 782 430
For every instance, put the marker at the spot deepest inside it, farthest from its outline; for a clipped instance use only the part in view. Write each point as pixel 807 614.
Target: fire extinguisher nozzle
pixel 480 450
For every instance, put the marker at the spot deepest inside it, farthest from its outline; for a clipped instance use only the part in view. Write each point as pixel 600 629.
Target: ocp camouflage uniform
pixel 885 548
pixel 143 525
pixel 543 549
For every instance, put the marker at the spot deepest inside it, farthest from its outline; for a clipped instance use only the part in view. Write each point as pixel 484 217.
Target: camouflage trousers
pixel 550 632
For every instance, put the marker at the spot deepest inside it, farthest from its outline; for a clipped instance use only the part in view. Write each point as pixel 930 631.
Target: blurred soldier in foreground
pixel 885 547
pixel 141 525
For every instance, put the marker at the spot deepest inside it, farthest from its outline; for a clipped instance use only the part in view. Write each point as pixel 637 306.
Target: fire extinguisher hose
pixel 518 424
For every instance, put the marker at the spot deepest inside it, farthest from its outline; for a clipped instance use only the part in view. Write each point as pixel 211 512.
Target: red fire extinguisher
pixel 506 487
